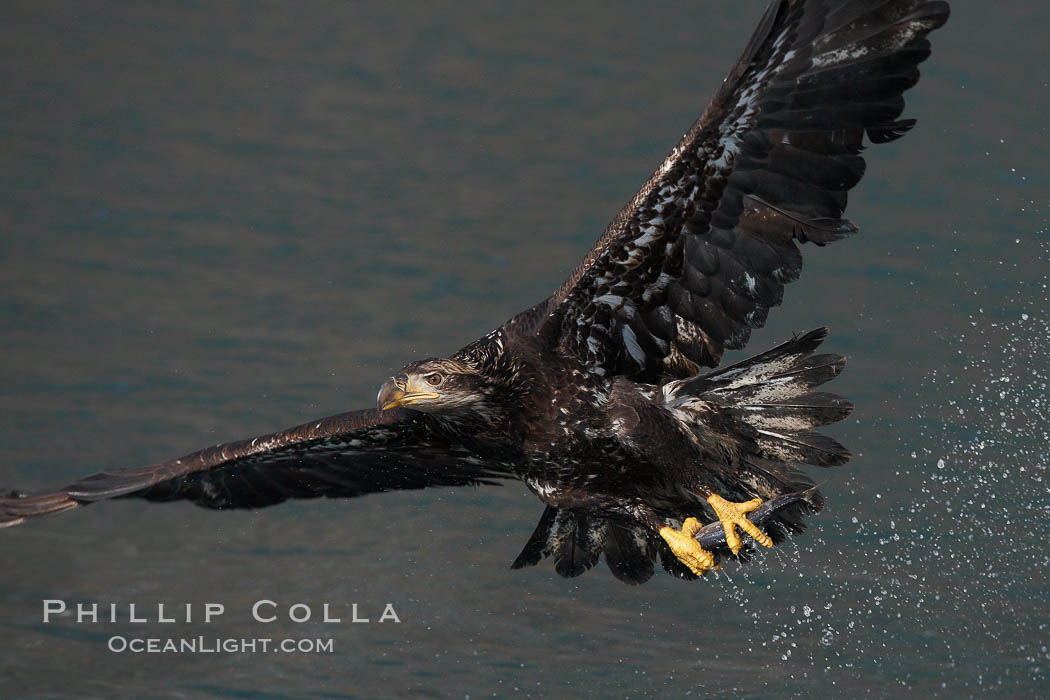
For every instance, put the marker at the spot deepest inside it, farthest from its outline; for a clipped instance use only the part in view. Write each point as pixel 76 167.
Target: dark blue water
pixel 222 220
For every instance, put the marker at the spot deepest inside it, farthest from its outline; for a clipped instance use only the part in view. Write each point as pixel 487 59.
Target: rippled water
pixel 218 221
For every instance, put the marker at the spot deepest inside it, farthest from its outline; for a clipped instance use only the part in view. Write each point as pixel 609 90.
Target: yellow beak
pixel 390 396
pixel 400 391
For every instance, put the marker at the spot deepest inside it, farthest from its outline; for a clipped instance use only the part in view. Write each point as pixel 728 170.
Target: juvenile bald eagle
pixel 596 397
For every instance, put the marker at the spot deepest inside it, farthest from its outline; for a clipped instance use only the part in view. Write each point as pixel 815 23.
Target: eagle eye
pixel 434 379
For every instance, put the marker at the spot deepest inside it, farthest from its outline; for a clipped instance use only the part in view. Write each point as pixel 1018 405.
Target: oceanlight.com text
pixel 218 645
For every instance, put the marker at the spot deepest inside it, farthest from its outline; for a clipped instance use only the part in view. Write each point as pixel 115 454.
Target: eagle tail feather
pixel 537 548
pixel 629 553
pixel 577 540
pixel 772 394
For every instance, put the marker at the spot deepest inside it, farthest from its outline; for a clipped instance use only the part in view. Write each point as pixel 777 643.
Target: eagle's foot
pixel 734 515
pixel 686 548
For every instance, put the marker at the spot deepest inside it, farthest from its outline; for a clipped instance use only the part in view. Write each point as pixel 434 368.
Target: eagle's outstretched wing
pixel 697 258
pixel 346 455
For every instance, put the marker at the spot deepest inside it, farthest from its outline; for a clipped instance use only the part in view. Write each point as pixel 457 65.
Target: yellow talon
pixel 734 515
pixel 686 548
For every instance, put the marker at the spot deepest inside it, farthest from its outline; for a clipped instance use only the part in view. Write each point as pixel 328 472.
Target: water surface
pixel 223 220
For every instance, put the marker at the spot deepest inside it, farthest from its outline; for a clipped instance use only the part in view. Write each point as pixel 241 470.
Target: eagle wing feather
pixel 696 259
pixel 345 455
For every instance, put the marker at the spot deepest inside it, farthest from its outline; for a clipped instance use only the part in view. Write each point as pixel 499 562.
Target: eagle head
pixel 436 386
